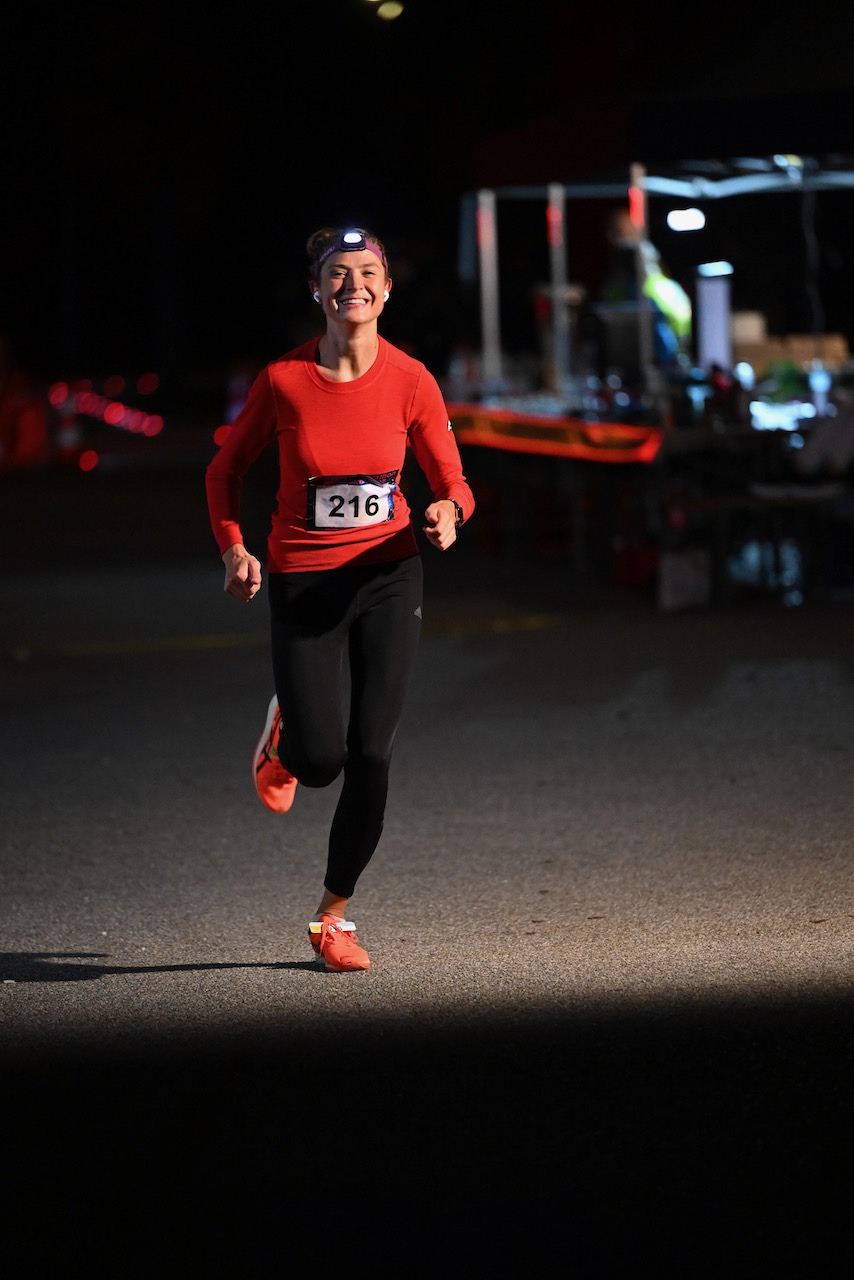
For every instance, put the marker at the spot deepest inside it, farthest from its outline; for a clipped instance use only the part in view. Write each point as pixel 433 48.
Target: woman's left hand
pixel 441 527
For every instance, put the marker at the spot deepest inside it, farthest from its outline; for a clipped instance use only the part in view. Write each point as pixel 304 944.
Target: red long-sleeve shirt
pixel 342 447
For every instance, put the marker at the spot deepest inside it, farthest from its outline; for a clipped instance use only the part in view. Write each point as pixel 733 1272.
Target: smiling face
pixel 351 286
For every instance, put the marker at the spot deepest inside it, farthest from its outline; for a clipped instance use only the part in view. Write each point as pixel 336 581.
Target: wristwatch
pixel 458 513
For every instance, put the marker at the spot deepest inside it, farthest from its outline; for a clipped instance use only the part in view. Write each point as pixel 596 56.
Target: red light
pixel 485 229
pixel 88 460
pixel 554 225
pixel 147 384
pixel 114 386
pixel 636 209
pixel 153 425
pixel 114 413
pixel 58 394
pixel 222 433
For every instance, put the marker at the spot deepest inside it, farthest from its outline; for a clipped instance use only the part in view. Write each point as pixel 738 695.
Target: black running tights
pixel 336 632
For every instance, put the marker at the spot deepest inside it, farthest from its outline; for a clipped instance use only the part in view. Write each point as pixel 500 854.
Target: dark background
pixel 163 167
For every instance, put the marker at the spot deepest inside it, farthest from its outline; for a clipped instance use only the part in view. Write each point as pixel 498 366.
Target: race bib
pixel 350 502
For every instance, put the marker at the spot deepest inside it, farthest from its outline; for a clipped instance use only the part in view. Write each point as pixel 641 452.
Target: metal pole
pixel 638 214
pixel 556 227
pixel 490 320
pixel 714 338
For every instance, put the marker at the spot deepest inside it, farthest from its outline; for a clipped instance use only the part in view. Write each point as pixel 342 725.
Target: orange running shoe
pixel 335 943
pixel 275 786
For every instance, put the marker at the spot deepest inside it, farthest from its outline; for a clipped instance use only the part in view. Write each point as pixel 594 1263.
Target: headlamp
pixel 352 241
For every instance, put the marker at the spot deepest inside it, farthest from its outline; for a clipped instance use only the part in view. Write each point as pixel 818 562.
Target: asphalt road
pixel 608 1026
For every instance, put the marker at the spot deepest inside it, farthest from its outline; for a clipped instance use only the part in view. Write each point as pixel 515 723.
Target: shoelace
pixel 326 929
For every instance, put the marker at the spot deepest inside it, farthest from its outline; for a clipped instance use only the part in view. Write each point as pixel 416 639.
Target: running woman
pixel 344 571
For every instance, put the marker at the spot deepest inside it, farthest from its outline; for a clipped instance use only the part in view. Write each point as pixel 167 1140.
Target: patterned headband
pixel 349 242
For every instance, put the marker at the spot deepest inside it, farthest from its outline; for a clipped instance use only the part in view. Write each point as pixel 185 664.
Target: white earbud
pixel 316 295
pixel 386 296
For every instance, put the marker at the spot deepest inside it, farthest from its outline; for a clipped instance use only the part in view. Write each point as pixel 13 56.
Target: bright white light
pixel 686 219
pixel 779 417
pixel 715 269
pixel 745 374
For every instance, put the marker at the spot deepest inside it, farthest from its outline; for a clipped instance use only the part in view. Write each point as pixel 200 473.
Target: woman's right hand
pixel 242 573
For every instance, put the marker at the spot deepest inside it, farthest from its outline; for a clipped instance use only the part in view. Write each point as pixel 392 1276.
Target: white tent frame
pixel 784 174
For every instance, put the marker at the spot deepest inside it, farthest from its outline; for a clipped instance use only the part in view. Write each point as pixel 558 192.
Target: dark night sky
pixel 162 171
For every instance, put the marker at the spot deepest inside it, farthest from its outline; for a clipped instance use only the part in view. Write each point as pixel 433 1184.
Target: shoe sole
pixel 330 968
